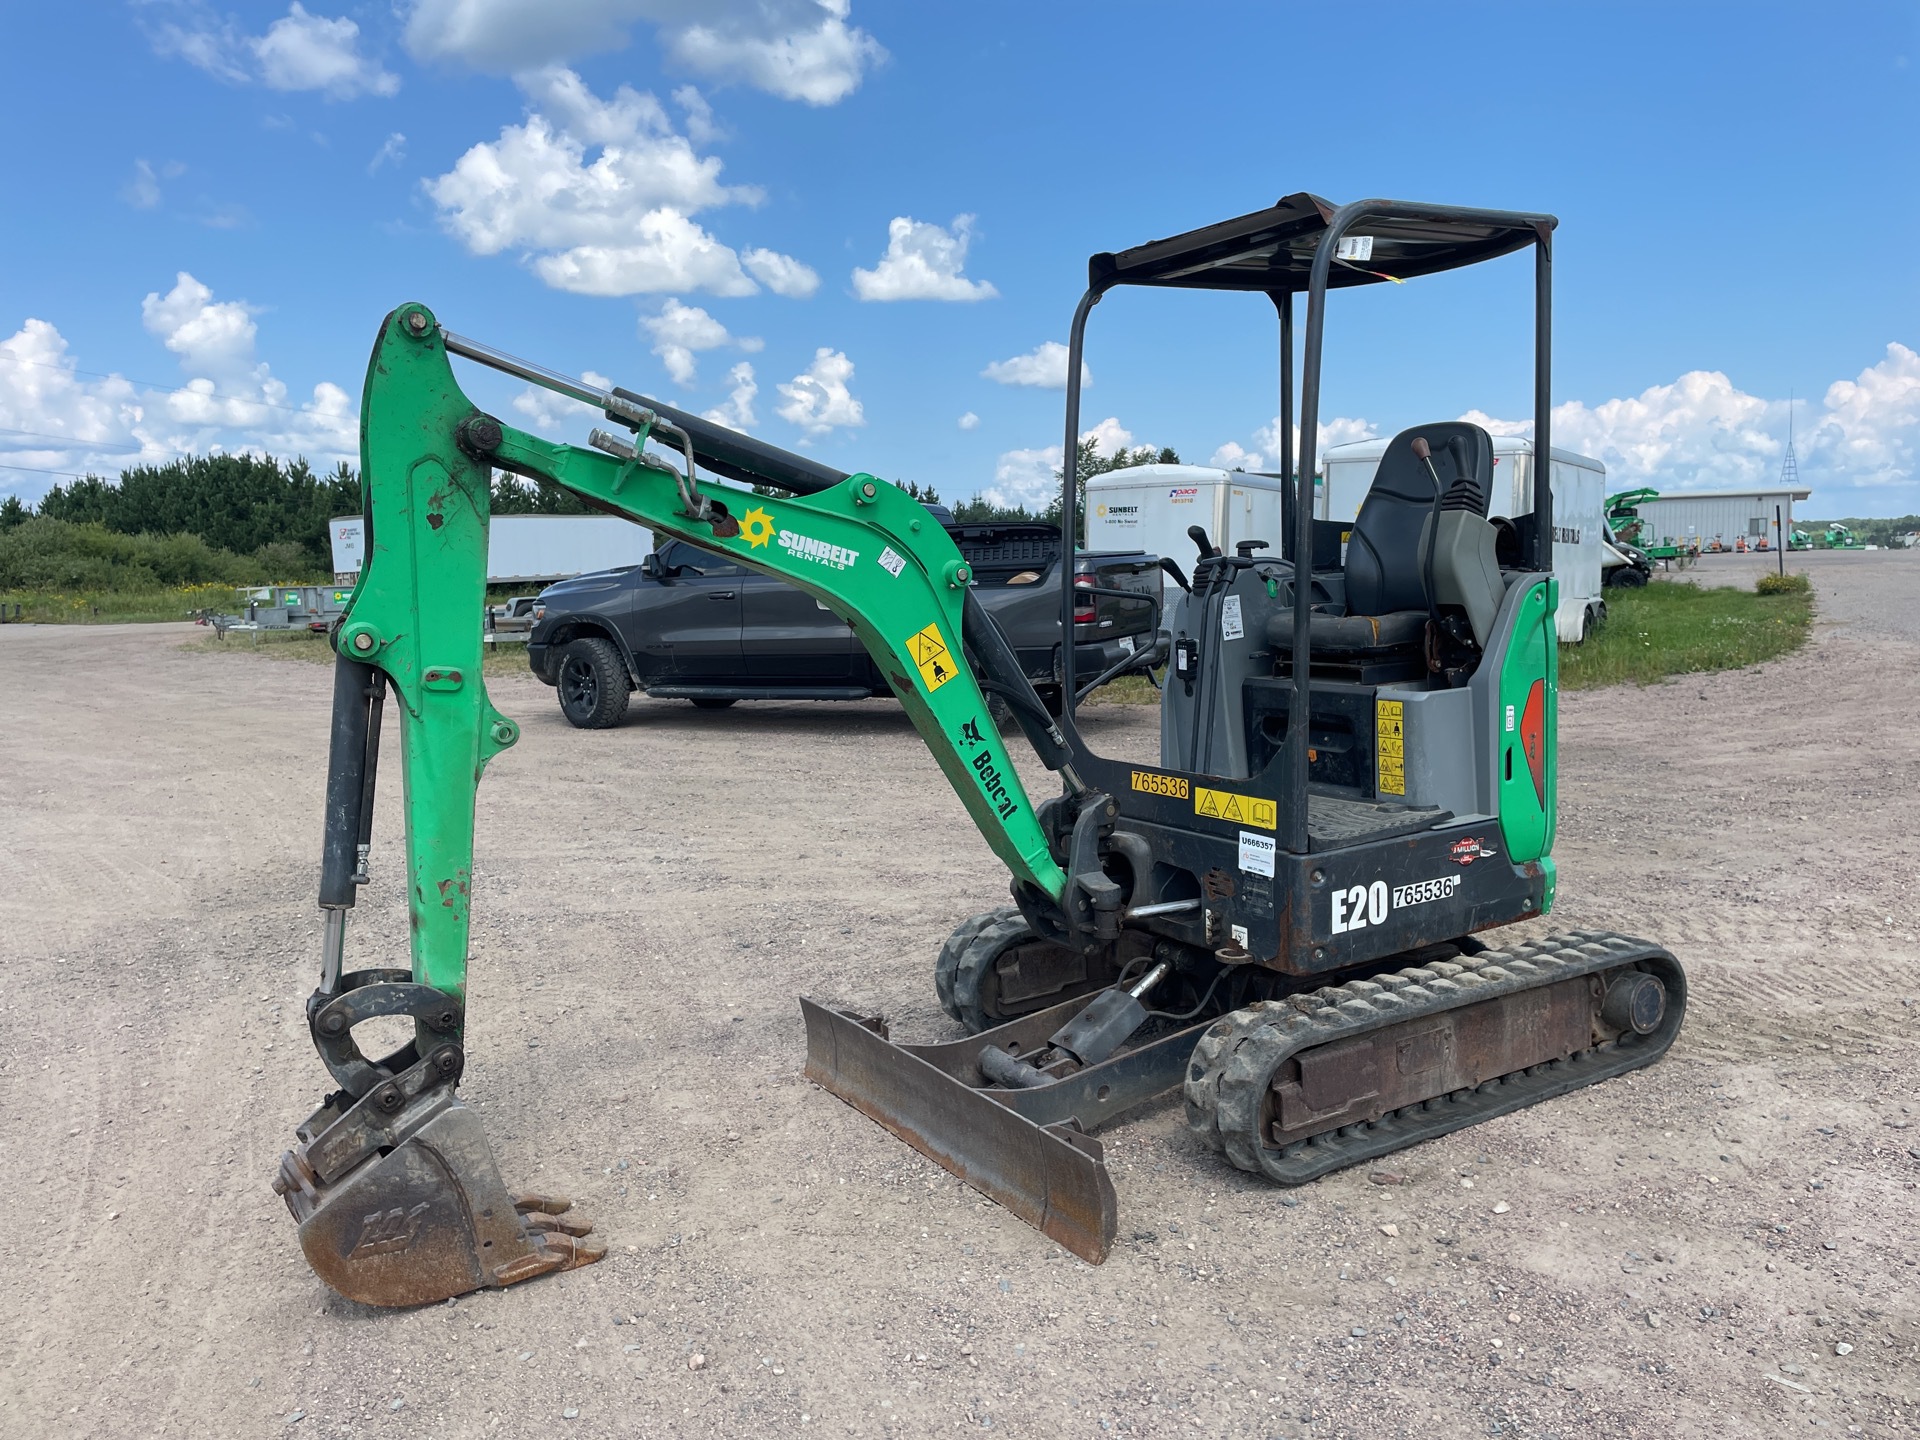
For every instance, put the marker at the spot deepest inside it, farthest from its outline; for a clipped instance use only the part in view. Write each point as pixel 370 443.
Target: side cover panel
pixel 1529 704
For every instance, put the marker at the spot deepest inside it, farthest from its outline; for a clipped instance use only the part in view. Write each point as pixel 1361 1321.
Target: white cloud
pixel 549 412
pixel 1031 478
pixel 673 254
pixel 701 128
pixel 535 188
pixel 1025 477
pixel 969 421
pixel 392 152
pixel 1043 368
pixel 299 51
pixel 781 274
pixel 819 63
pixel 1703 432
pixel 1340 430
pixel 143 191
pixel 737 412
pixel 680 330
pixel 818 399
pixel 1108 436
pixel 55 418
pixel 311 52
pixel 796 49
pixel 616 224
pixel 923 262
pixel 210 336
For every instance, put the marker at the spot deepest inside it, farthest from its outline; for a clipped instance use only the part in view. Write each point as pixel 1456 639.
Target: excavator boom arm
pixel 863 548
pixel 396 1191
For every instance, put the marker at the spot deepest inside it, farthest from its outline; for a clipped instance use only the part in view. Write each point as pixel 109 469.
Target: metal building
pixel 1724 515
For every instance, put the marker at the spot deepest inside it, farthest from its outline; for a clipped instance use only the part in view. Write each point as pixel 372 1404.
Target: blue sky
pixel 857 231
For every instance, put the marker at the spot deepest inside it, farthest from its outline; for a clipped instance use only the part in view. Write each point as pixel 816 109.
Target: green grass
pixel 313 649
pixel 1127 690
pixel 116 607
pixel 1679 628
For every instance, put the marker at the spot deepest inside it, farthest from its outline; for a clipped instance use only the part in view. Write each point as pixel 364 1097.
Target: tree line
pixel 258 519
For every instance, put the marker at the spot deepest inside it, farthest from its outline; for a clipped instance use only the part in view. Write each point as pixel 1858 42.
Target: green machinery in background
pixel 1278 921
pixel 1625 523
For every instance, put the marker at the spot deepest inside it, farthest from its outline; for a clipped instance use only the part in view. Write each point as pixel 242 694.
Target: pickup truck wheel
pixel 710 702
pixel 592 684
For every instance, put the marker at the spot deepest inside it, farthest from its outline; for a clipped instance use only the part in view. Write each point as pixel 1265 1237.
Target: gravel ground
pixel 1721 1245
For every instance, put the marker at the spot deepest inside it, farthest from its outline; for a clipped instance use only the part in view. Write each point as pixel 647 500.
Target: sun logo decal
pixel 756 527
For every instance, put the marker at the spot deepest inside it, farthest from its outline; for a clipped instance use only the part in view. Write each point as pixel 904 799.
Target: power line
pixel 36 470
pixel 70 441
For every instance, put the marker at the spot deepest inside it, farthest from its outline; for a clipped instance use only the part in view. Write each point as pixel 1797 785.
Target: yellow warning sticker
pixel 1239 809
pixel 1391 736
pixel 932 658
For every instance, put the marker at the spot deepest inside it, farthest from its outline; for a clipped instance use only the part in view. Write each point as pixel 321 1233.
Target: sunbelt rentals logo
pixel 757 528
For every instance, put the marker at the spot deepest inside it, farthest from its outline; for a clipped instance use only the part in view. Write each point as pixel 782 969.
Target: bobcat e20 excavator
pixel 1280 920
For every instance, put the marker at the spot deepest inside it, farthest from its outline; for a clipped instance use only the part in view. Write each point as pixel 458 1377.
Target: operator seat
pixel 1386 595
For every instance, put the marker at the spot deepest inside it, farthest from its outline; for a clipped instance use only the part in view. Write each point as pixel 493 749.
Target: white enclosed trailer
pixel 530 549
pixel 523 549
pixel 1150 507
pixel 1580 548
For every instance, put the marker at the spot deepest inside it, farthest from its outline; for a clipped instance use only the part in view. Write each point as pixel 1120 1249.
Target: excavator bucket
pixel 399 1202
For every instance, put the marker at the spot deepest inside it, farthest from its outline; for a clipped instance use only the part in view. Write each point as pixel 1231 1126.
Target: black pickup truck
pixel 690 624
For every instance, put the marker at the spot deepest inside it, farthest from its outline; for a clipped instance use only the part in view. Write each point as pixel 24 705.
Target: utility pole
pixel 1789 481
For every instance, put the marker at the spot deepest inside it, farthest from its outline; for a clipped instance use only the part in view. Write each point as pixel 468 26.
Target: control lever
pixel 1208 550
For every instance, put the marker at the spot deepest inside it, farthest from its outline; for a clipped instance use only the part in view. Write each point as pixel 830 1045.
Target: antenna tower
pixel 1790 467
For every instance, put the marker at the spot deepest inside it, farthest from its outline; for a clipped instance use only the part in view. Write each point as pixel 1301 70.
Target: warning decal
pixel 929 654
pixel 1240 809
pixel 1390 728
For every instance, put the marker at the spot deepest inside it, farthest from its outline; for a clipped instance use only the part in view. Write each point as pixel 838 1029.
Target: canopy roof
pixel 1272 250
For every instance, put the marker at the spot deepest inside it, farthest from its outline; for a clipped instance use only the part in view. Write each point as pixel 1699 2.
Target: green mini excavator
pixel 1283 920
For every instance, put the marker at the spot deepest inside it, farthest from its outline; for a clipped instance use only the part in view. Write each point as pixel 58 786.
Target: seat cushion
pixel 1351 634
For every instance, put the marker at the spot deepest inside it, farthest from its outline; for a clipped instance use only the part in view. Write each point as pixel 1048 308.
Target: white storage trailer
pixel 1149 507
pixel 526 549
pixel 1580 546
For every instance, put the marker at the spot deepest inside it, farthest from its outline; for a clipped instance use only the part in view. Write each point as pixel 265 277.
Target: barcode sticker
pixel 1354 247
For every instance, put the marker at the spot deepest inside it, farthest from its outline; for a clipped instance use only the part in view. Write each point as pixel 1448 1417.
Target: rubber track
pixel 965 959
pixel 1232 1065
pixel 948 962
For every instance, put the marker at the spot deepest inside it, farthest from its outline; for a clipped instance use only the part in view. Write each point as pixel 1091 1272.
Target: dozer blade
pixel 1053 1176
pixel 410 1209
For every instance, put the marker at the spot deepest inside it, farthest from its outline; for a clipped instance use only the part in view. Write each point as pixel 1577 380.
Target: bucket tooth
pixel 411 1210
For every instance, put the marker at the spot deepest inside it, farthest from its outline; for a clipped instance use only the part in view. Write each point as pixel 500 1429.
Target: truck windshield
pixel 700 562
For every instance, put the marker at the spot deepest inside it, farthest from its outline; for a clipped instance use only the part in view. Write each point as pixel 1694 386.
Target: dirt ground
pixel 1722 1245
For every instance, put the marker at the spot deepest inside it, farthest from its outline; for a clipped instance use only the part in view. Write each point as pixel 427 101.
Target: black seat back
pixel 1384 562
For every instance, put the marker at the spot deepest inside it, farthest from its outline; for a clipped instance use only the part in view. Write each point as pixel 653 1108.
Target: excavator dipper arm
pixel 394 1185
